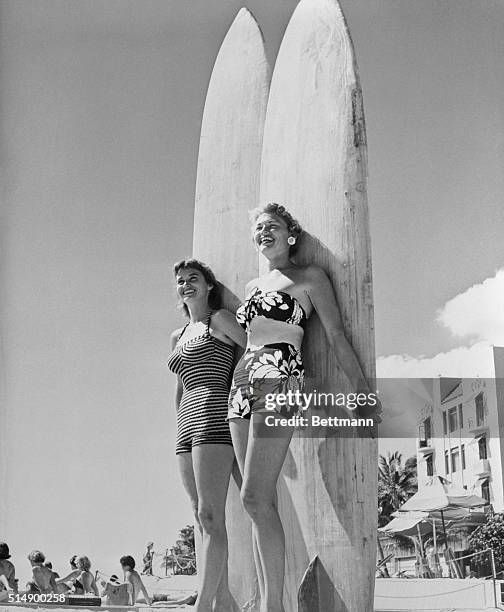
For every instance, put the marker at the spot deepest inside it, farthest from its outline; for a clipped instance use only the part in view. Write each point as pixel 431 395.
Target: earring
pixel 291 240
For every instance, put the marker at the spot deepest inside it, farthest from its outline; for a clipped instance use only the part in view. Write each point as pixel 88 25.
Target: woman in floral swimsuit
pixel 274 315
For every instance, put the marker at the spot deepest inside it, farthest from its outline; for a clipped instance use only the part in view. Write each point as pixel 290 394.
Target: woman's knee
pixel 210 522
pixel 256 506
pixel 196 515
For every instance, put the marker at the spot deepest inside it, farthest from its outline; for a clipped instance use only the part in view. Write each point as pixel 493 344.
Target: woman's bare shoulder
pixel 251 285
pixel 223 321
pixel 312 274
pixel 174 336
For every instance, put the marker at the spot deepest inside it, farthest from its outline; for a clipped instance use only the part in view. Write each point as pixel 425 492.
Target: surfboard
pixel 227 187
pixel 314 161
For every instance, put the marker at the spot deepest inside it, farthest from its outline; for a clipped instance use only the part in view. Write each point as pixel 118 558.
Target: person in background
pixel 147 559
pixel 132 577
pixel 114 593
pixel 8 580
pixel 48 564
pixel 42 577
pixel 67 583
pixel 85 579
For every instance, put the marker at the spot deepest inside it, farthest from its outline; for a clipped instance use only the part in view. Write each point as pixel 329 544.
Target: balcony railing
pixel 479 425
pixel 481 467
pixel 425 445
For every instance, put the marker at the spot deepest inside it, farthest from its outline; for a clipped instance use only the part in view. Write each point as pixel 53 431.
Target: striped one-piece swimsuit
pixel 204 365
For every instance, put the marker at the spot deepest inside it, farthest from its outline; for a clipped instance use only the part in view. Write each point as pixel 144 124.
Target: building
pixel 461 435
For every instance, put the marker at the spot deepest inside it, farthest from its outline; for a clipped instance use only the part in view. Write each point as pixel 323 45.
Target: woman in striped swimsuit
pixel 202 358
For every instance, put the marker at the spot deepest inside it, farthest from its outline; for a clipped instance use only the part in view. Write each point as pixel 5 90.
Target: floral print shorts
pixel 263 374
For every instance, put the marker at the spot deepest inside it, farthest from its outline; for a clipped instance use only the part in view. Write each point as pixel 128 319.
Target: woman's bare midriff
pixel 264 331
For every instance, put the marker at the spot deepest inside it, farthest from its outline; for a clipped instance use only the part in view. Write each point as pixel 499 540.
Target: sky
pixel 101 105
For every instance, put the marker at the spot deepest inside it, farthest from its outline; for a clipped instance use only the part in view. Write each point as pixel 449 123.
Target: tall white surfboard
pixel 314 162
pixel 227 187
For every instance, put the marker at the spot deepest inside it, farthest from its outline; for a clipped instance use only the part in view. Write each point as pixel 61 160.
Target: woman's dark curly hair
pixel 214 295
pixel 293 226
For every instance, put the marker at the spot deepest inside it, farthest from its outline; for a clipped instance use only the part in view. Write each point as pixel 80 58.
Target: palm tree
pixel 187 536
pixel 396 484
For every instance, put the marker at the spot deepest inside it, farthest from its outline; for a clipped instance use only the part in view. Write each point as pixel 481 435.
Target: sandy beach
pixel 179 587
pixel 176 587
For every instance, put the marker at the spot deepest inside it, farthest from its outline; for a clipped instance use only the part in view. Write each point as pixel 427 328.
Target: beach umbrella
pixel 439 494
pixel 408 524
pixel 415 526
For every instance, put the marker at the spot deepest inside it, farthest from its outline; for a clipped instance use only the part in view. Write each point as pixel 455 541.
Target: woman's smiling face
pixel 270 234
pixel 191 285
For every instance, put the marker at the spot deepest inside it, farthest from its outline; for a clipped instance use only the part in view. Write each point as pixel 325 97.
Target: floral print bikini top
pixel 277 305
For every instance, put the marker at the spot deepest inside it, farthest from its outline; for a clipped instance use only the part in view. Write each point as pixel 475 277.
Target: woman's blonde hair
pixel 83 563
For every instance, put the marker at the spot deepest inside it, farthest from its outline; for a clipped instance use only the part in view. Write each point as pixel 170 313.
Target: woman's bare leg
pixel 239 434
pixel 212 465
pixel 223 595
pixel 185 463
pixel 263 463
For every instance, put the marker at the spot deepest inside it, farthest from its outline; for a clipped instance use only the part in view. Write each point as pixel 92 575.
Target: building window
pixel 430 466
pixel 446 463
pixel 427 428
pixel 461 416
pixel 485 490
pixel 445 429
pixel 462 455
pixel 482 446
pixel 480 409
pixel 452 419
pixel 455 459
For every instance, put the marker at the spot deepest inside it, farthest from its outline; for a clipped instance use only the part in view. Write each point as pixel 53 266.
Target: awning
pixel 438 494
pixel 481 480
pixel 407 526
pixel 408 523
pixel 426 456
pixel 476 439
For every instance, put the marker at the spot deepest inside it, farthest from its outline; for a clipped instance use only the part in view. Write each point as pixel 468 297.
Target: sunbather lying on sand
pixel 160 599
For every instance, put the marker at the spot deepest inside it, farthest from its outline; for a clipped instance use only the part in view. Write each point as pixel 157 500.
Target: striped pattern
pixel 204 364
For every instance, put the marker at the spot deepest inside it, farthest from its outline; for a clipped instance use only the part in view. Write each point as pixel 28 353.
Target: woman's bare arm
pixel 3 580
pixel 225 322
pixel 70 576
pixel 324 302
pixel 178 385
pixel 54 586
pixel 144 591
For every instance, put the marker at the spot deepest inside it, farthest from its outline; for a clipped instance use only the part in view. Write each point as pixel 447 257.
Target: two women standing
pixel 274 315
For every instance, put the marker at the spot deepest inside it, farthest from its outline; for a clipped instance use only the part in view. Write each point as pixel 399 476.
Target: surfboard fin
pixel 308 592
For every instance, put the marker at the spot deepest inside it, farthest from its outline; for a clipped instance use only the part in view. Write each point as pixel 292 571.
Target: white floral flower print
pixel 262 370
pixel 277 305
